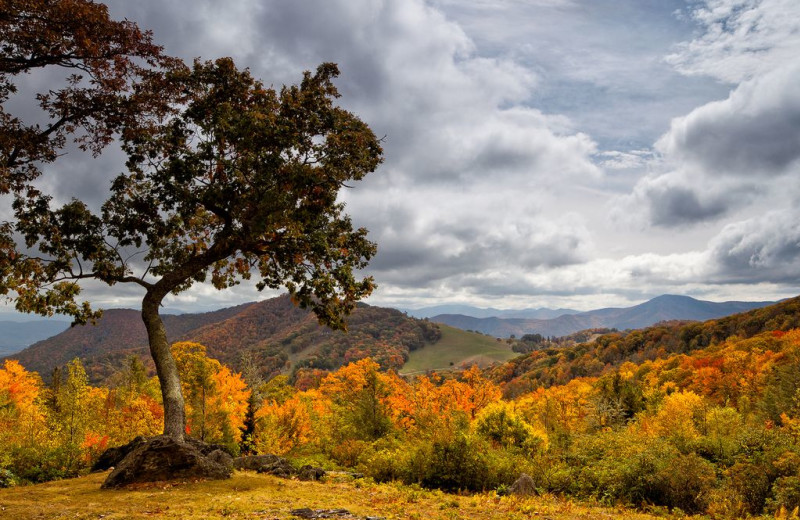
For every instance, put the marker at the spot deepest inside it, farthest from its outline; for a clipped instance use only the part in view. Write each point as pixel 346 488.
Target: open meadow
pixel 252 496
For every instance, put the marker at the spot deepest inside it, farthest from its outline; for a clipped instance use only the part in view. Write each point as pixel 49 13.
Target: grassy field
pixel 252 496
pixel 458 348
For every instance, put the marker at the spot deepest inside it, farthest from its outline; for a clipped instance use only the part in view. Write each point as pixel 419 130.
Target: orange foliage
pixel 216 398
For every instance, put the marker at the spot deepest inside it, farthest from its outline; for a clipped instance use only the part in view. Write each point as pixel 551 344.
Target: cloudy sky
pixel 541 153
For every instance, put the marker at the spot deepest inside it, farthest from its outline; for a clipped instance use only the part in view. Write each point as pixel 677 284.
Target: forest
pixel 714 430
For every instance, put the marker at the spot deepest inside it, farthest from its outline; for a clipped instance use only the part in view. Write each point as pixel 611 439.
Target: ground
pixel 252 496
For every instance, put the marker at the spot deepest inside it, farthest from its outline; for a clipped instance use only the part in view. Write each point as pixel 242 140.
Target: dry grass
pixel 252 496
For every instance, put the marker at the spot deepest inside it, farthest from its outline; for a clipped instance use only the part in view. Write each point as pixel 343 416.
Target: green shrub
pixel 786 494
pixel 451 463
pixel 686 483
pixel 7 478
pixel 751 483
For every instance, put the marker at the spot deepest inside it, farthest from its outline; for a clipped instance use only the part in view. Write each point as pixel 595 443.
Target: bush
pixel 751 483
pixel 786 494
pixel 616 466
pixel 451 463
pixel 7 478
pixel 501 425
pixel 686 483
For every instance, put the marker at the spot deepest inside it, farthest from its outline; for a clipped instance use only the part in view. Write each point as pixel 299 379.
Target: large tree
pixel 235 179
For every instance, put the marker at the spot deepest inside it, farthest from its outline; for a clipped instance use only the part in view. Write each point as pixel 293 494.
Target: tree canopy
pixel 238 179
pixel 225 178
pixel 102 59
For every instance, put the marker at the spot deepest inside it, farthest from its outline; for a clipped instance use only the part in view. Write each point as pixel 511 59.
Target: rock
pixel 524 486
pixel 308 472
pixel 112 456
pixel 205 448
pixel 271 464
pixel 163 458
pixel 306 512
pixel 223 458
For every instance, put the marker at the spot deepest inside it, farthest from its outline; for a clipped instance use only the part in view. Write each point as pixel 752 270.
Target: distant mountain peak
pixel 665 307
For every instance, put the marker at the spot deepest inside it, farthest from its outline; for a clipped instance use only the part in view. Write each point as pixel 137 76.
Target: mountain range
pixel 476 312
pixel 662 308
pixel 274 334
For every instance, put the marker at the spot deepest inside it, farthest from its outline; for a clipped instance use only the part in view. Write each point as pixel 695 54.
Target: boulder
pixel 163 458
pixel 112 456
pixel 271 464
pixel 309 472
pixel 524 486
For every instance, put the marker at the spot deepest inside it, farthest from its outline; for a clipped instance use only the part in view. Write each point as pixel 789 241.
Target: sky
pixel 538 153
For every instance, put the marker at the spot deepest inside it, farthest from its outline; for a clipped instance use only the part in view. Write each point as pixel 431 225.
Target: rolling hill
pixel 276 334
pixel 661 308
pixel 458 349
pixel 476 312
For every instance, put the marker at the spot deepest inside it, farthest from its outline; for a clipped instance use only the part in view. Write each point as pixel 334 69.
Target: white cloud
pixel 742 39
pixel 717 159
pixel 493 188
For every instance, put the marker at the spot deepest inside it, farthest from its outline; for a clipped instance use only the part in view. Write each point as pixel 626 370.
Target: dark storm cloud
pixel 756 131
pixel 677 205
pixel 683 198
pixel 765 249
pixel 723 153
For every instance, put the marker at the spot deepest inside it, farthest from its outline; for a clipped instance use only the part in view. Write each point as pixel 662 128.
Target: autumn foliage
pixel 60 430
pixel 714 430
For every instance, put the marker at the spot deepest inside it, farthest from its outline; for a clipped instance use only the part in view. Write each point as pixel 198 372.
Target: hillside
pixel 558 366
pixel 661 308
pixel 116 334
pixel 458 349
pixel 275 332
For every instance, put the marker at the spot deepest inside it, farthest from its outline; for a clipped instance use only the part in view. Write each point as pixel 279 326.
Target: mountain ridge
pixel 17 335
pixel 488 312
pixel 275 333
pixel 666 307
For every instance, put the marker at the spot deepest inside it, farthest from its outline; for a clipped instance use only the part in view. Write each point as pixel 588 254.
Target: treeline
pixel 557 366
pixel 530 342
pixel 385 335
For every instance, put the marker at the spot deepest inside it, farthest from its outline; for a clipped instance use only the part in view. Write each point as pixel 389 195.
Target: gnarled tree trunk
pixel 167 370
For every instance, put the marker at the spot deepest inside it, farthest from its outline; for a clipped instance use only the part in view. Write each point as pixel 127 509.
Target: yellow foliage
pixel 679 415
pixel 565 408
pixel 216 398
pixel 282 427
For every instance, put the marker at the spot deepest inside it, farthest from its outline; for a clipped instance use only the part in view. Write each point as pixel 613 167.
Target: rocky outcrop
pixel 309 472
pixel 278 466
pixel 113 456
pixel 163 458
